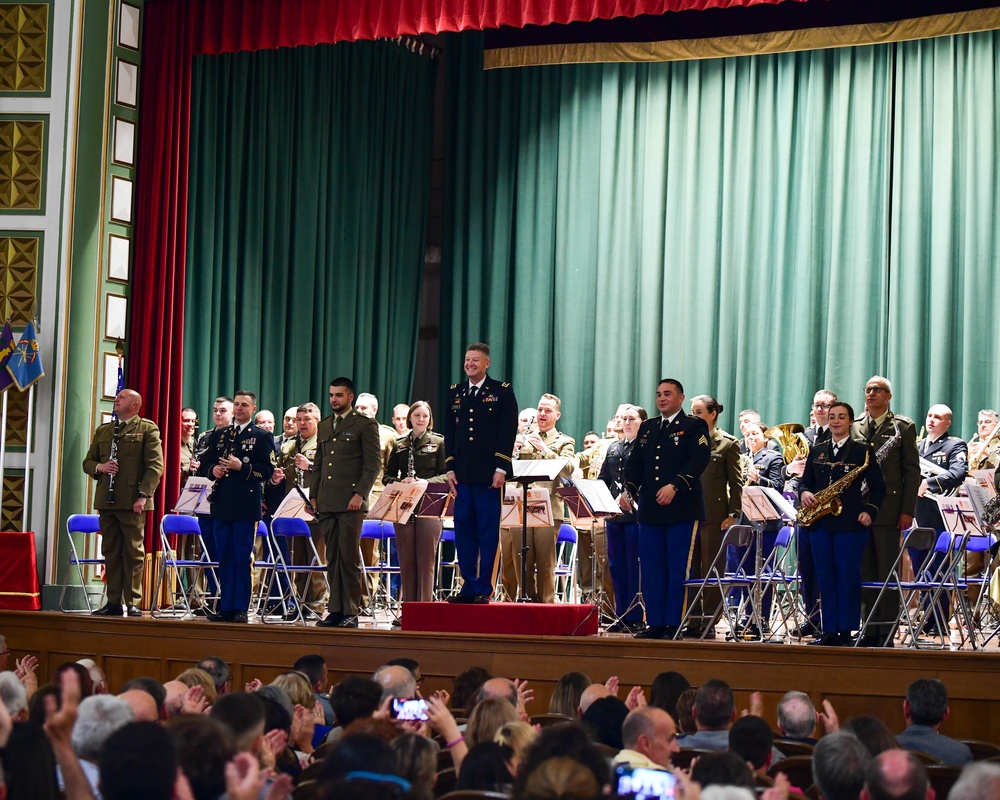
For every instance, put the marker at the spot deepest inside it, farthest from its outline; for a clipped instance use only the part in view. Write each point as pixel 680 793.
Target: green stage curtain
pixel 307 211
pixel 756 227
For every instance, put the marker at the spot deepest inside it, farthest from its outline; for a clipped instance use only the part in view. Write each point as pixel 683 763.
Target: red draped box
pixel 19 572
pixel 523 619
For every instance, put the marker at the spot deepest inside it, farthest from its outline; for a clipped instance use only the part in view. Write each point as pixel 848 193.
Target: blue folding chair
pixel 383 532
pixel 83 524
pixel 447 537
pixel 566 545
pixel 287 529
pixel 183 528
pixel 262 567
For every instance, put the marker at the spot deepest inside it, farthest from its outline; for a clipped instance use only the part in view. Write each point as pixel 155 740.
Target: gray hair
pixel 100 715
pixel 13 693
pixel 796 715
pixel 395 682
pixel 838 768
pixel 978 779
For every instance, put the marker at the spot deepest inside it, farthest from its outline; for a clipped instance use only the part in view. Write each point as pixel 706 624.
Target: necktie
pixel 836 450
pixel 474 392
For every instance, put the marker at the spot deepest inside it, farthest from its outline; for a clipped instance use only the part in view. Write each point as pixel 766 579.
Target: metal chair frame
pixel 180 525
pixel 565 571
pixel 292 528
pixel 84 524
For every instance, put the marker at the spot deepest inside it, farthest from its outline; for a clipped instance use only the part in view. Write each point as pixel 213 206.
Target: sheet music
pixel 541 469
pixel 958 515
pixel 979 496
pixel 539 508
pixel 757 505
pixel 398 501
pixel 294 506
pixel 781 504
pixel 598 496
pixel 194 496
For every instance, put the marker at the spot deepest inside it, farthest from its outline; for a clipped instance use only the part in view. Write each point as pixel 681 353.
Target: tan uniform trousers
pixel 122 545
pixel 312 587
pixel 541 565
pixel 416 547
pixel 589 543
pixel 341 531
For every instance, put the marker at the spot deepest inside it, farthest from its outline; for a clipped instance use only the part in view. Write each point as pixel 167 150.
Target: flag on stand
pixel 25 363
pixel 121 378
pixel 6 349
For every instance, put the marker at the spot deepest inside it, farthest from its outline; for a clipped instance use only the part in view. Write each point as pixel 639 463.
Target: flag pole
pixel 27 455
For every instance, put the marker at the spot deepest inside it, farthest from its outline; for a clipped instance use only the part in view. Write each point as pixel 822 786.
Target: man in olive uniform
pixel 544 443
pixel 985 454
pixel 135 473
pixel 894 439
pixel 298 455
pixel 347 463
pixel 480 426
pixel 189 426
pixel 240 459
pixel 366 403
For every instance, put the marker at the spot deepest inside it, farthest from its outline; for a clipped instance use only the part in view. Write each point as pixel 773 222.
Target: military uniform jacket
pixel 479 433
pixel 952 455
pixel 822 469
pixel 187 451
pixel 613 475
pixel 591 460
pixel 428 458
pixel 347 462
pixel 676 454
pixel 721 481
pixel 560 446
pixel 769 465
pixel 900 467
pixel 140 463
pixel 992 459
pixel 237 495
pixel 386 439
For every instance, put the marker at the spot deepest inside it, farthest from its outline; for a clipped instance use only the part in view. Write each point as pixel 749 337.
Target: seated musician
pixel 834 471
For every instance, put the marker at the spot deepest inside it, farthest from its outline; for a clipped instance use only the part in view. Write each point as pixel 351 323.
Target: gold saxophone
pixel 977 461
pixel 828 499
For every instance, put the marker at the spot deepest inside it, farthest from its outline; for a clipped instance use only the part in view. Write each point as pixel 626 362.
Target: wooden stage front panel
pixel 855 681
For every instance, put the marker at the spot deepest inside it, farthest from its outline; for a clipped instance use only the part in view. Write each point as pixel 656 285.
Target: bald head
pixel 174 703
pixel 651 731
pixel 396 682
pixel 127 404
pixel 502 688
pixel 142 704
pixel 593 692
pixel 896 775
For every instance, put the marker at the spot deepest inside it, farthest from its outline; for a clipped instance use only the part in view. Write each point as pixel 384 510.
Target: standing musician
pixel 817 433
pixel 664 475
pixel 723 487
pixel 240 459
pixel 479 437
pixel 985 454
pixel 189 427
pixel 838 541
pixel 544 443
pixel 762 469
pixel 508 578
pixel 893 437
pixel 944 463
pixel 345 468
pixel 418 454
pixel 747 416
pixel 622 531
pixel 126 459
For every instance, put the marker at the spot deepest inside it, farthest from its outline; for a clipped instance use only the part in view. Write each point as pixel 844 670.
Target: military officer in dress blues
pixel 240 458
pixel 479 431
pixel 341 477
pixel 944 463
pixel 838 541
pixel 664 474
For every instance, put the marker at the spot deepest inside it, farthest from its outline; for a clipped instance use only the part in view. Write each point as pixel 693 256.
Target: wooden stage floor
pixel 855 681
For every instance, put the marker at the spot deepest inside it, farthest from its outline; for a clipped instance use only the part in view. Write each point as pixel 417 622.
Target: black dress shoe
pixel 308 614
pixel 109 610
pixel 239 617
pixel 396 624
pixel 653 632
pixel 133 611
pixel 617 627
pixel 480 600
pixel 828 640
pixel 221 616
pixel 462 598
pixel 200 611
pixel 348 622
pixel 333 620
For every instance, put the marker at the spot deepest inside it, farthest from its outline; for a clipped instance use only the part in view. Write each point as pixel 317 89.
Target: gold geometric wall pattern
pixel 22 156
pixel 12 510
pixel 18 271
pixel 17 418
pixel 24 29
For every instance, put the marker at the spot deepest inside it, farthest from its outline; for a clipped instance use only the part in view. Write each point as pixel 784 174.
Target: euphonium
pixel 791 438
pixel 828 499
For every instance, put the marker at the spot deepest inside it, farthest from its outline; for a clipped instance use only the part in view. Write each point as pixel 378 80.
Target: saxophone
pixel 828 499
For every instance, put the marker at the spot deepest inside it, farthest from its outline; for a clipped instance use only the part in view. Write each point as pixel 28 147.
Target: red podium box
pixel 521 619
pixel 19 590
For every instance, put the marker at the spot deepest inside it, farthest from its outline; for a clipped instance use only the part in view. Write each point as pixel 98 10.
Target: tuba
pixel 791 438
pixel 829 498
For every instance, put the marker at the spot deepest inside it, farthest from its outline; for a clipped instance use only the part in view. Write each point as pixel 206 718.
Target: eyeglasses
pixel 818 406
pixel 873 389
pixel 4 652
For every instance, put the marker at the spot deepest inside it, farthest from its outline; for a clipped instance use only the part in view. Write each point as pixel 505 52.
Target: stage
pixel 856 681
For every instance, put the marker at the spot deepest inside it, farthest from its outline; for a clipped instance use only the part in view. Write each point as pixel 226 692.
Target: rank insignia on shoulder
pixel 453 386
pixel 505 385
pixel 703 440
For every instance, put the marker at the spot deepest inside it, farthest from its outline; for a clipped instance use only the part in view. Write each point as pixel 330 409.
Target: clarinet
pixel 411 470
pixel 230 434
pixel 113 457
pixel 300 475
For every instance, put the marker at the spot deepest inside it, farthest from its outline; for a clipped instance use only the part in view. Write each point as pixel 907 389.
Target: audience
pixel 714 712
pixel 925 709
pixel 98 717
pixel 486 768
pixel 722 769
pixel 518 736
pixel 872 733
pixel 566 696
pixel 685 711
pixel 896 775
pixel 839 764
pixel 317 673
pixel 978 781
pixel 649 737
pixel 487 718
pixel 604 720
pixel 666 690
pixel 218 669
pixel 752 739
pixel 797 718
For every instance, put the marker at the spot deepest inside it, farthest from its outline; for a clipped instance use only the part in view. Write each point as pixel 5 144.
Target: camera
pixel 640 783
pixel 409 709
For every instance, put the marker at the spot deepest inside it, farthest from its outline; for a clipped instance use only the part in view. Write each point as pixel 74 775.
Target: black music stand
pixel 527 472
pixel 761 504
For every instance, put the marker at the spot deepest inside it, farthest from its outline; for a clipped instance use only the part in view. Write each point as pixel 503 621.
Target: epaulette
pixel 727 435
pixel 955 438
pixel 453 386
pixel 901 418
pixel 505 385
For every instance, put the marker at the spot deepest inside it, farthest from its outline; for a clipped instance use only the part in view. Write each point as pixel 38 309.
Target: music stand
pixel 590 499
pixel 527 472
pixel 761 505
